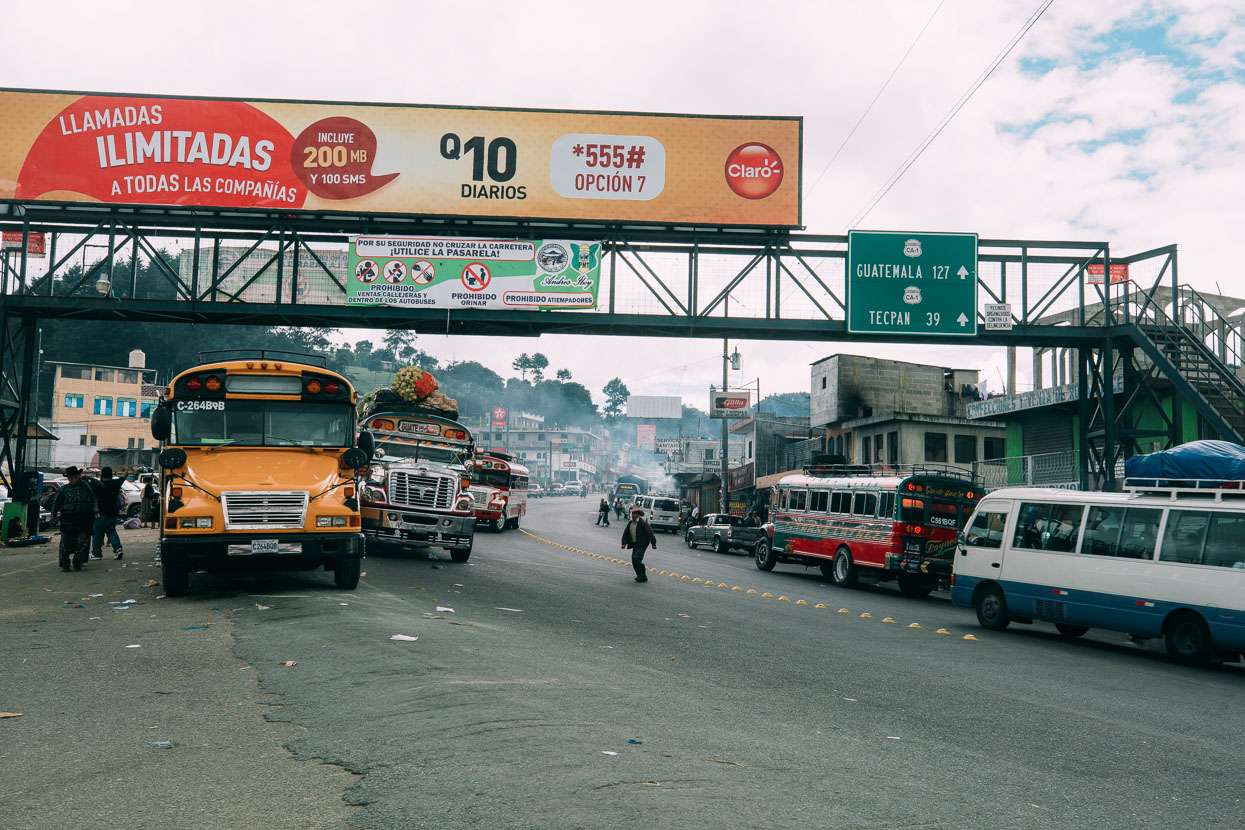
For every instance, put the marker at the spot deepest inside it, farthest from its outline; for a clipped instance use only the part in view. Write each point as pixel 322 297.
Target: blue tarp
pixel 1213 462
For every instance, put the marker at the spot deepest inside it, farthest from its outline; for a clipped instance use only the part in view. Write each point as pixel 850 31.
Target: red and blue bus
pixel 862 526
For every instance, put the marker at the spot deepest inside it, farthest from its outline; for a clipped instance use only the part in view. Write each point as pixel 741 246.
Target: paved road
pixel 559 693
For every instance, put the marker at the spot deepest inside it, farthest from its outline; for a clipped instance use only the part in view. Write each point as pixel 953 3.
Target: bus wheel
pixel 1071 631
pixel 460 554
pixel 176 577
pixel 914 585
pixel 844 573
pixel 497 525
pixel 1188 639
pixel 346 574
pixel 765 558
pixel 991 608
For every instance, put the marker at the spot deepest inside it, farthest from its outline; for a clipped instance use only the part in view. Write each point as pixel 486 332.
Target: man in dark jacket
pixel 108 500
pixel 638 536
pixel 75 504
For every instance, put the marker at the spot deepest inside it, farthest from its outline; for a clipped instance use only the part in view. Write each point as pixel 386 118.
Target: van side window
pixel 1225 541
pixel 986 531
pixel 1051 527
pixel 1184 536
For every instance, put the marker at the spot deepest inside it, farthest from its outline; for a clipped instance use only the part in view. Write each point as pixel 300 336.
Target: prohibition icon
pixel 366 271
pixel 422 272
pixel 395 271
pixel 476 276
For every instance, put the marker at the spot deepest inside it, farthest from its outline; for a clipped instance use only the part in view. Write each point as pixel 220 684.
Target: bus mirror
pixel 367 443
pixel 354 458
pixel 161 422
pixel 172 458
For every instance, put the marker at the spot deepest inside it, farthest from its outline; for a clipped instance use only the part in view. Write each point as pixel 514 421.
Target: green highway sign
pixel 911 283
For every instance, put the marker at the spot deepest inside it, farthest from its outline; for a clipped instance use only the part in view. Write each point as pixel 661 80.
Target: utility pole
pixel 724 505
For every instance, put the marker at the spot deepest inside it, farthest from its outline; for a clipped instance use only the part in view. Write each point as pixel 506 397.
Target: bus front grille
pixel 264 510
pixel 414 490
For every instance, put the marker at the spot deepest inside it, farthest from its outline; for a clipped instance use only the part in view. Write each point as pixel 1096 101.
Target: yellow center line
pixel 714 583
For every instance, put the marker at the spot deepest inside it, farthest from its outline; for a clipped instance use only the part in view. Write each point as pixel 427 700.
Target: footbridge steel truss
pixel 1150 334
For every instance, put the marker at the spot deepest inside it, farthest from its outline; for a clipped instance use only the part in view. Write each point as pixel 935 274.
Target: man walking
pixel 75 504
pixel 108 500
pixel 603 513
pixel 638 536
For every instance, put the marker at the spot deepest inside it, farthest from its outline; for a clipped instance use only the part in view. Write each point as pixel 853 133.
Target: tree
pixel 522 364
pixel 563 375
pixel 616 394
pixel 539 364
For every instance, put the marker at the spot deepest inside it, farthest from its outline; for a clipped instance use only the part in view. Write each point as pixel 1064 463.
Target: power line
pixel 869 108
pixel 946 119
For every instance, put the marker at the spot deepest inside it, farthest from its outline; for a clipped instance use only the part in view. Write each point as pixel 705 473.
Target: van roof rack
pixel 263 354
pixel 1210 489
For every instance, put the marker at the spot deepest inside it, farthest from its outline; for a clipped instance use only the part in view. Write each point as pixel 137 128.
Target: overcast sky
pixel 1115 120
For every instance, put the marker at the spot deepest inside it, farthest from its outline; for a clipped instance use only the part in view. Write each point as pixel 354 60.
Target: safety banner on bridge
pixel 403 159
pixel 452 272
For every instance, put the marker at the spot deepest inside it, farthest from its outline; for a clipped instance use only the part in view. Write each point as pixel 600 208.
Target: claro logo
pixel 753 170
pixel 732 403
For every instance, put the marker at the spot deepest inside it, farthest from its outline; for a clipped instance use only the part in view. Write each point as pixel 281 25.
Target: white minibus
pixel 1152 562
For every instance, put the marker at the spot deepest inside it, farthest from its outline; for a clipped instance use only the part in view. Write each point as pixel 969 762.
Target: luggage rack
pixel 1205 489
pixel 944 470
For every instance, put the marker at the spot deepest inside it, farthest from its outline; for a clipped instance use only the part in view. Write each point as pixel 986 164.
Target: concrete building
pixel 551 454
pixel 890 412
pixel 98 407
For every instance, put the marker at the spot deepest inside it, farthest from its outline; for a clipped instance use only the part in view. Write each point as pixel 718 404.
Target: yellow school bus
pixel 260 469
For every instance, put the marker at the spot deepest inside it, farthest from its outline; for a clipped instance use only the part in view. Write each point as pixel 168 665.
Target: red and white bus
pixel 867 526
pixel 498 490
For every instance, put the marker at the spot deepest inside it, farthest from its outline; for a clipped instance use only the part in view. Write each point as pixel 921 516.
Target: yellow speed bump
pixel 914 625
pixel 887 619
pixel 784 599
pixel 942 631
pixel 867 615
pixel 736 588
pixel 969 637
pixel 685 576
pixel 752 590
pixel 819 605
pixel 697 579
pixel 844 611
pixel 800 602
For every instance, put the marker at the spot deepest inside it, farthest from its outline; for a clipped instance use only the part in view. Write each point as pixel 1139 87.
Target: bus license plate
pixel 263 546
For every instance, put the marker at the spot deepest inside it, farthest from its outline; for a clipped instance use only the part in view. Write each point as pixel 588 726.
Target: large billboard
pixel 654 406
pixel 402 159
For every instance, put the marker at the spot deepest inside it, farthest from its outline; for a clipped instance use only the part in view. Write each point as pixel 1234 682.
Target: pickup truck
pixel 725 533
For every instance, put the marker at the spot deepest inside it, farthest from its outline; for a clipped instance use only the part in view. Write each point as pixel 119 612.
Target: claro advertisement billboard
pixel 403 159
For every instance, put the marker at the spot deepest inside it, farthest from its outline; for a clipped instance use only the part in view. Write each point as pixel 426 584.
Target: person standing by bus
pixel 638 536
pixel 108 500
pixel 603 513
pixel 75 505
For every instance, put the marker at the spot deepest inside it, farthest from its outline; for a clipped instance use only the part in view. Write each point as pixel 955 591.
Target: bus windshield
pixel 393 452
pixel 491 478
pixel 262 423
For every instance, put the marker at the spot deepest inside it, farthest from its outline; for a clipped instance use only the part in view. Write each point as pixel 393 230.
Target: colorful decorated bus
pixel 260 470
pixel 498 490
pixel 860 526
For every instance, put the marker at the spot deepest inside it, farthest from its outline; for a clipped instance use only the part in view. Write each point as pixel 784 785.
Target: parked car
pixel 534 490
pixel 725 533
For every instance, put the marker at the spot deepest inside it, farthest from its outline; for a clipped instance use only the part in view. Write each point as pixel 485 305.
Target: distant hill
pixel 788 404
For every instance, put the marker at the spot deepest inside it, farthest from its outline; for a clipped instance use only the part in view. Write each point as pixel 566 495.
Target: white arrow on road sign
pixel 963 272
pixel 962 320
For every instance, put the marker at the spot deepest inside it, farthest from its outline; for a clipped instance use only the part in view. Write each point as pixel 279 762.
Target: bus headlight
pixel 376 494
pixel 331 521
pixel 197 522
